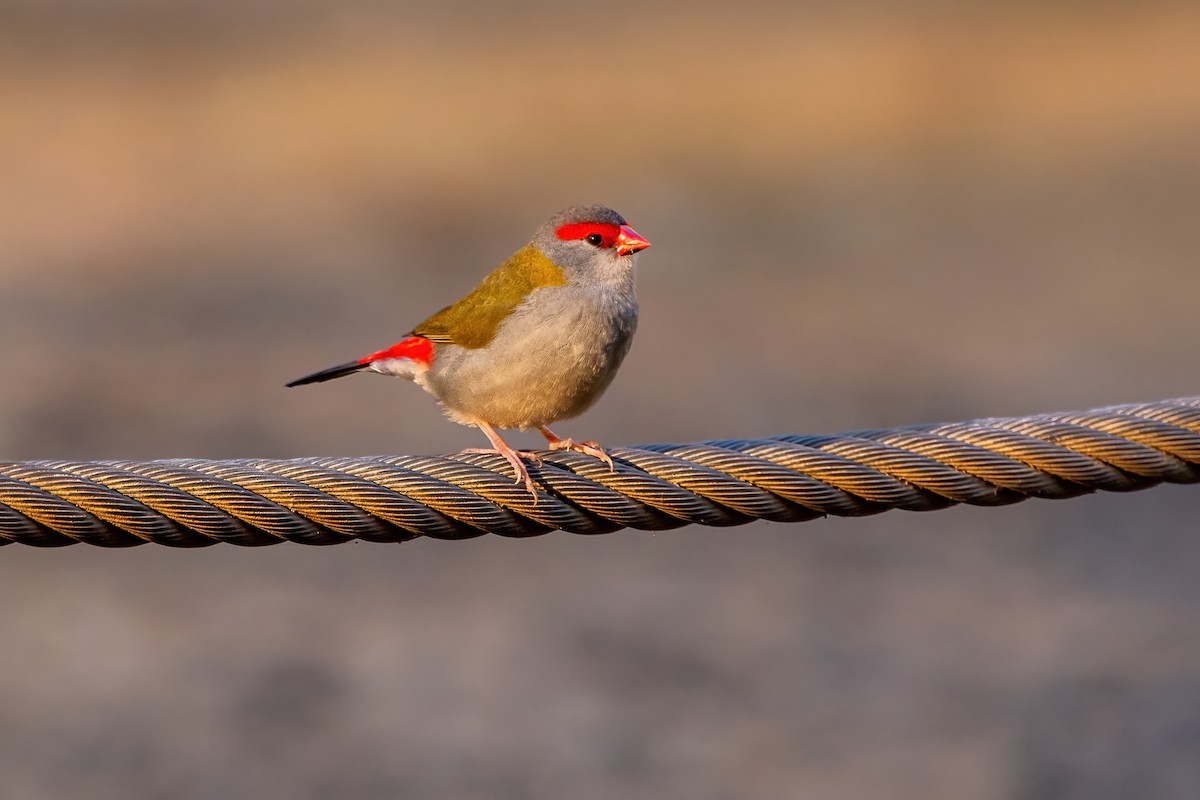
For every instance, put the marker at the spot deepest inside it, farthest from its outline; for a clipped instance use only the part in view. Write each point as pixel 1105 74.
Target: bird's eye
pixel 594 239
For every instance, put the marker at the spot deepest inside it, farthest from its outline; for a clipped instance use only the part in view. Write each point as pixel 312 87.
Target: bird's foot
pixel 592 449
pixel 513 457
pixel 529 455
pixel 524 455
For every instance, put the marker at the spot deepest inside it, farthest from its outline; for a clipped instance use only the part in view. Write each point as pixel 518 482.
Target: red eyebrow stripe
pixel 416 348
pixel 579 230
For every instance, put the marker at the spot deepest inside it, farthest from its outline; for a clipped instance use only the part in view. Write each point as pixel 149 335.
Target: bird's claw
pixel 514 457
pixel 530 455
pixel 592 449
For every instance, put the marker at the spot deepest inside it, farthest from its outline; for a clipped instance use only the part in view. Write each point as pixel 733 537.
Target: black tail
pixel 331 373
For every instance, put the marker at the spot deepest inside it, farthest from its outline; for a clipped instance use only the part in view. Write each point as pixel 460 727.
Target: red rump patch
pixel 582 230
pixel 414 348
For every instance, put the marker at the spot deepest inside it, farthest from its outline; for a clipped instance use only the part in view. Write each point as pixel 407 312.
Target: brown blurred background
pixel 862 216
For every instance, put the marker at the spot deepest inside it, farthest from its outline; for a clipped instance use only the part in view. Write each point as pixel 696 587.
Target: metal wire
pixel 251 502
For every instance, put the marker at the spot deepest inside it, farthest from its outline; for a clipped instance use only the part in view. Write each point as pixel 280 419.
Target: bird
pixel 536 342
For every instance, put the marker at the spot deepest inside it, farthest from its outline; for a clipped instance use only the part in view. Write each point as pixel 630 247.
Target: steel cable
pixel 319 501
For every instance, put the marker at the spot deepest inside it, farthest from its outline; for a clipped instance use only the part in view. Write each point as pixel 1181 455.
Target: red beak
pixel 629 242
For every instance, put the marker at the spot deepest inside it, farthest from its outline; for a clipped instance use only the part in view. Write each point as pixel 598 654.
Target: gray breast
pixel 550 360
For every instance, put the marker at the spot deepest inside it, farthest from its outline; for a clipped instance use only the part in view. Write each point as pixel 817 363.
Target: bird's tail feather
pixel 339 371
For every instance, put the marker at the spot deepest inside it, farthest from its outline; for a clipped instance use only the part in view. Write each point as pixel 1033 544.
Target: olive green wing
pixel 473 321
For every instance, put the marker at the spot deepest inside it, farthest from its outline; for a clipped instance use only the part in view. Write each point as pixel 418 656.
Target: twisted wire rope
pixel 327 500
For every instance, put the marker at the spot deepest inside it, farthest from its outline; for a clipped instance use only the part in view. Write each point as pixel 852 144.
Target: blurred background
pixel 863 215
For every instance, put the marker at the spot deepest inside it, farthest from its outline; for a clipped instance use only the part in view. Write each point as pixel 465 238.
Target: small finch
pixel 537 341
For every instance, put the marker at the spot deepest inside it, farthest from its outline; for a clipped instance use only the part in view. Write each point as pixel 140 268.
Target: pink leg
pixel 512 456
pixel 592 449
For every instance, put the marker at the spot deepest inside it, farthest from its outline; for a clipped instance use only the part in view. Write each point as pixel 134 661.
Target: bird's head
pixel 590 242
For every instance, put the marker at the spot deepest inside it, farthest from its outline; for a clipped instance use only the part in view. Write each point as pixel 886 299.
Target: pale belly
pixel 539 369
